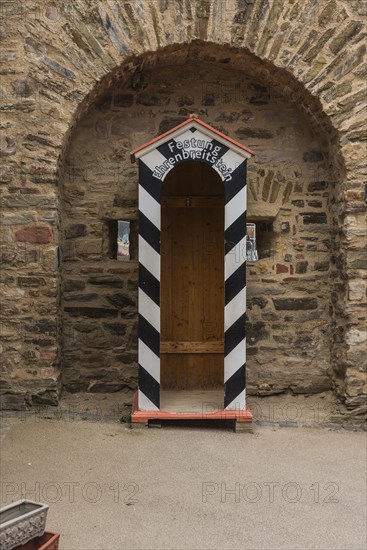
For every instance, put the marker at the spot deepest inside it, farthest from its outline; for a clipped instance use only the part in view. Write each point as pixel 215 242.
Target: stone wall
pixel 58 59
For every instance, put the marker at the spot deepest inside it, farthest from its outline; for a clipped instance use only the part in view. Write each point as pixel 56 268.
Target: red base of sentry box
pixel 243 416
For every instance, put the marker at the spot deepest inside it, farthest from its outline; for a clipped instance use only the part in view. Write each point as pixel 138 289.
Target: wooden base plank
pixel 243 417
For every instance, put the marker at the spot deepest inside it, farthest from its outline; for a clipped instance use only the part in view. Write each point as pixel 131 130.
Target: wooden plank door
pixel 192 279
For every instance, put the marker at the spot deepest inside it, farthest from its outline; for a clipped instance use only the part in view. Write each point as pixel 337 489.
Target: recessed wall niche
pixel 120 240
pixel 283 188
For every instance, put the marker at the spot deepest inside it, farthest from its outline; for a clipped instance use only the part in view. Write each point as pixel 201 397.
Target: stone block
pixel 255 332
pixel 43 326
pixel 355 336
pixel 317 186
pixel 18 218
pixel 127 358
pixel 69 285
pixel 356 291
pixel 270 288
pixel 104 103
pixel 322 266
pixel 351 30
pixel 123 100
pixel 314 217
pixel 301 267
pixel 121 300
pixel 15 401
pixel 82 326
pixel 257 133
pixel 92 269
pixel 115 328
pixel 10 149
pixel 34 234
pixel 48 397
pixel 94 312
pixel 295 303
pixel 88 247
pixel 185 100
pixel 34 282
pixel 149 100
pixel 75 230
pixel 357 260
pixel 22 88
pixel 280 268
pixel 318 384
pixel 106 280
pixel 258 301
pixel 87 297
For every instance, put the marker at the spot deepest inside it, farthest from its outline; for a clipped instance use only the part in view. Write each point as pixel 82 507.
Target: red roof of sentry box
pixel 192 118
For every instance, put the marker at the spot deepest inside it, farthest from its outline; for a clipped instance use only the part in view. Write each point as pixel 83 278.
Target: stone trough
pixel 20 522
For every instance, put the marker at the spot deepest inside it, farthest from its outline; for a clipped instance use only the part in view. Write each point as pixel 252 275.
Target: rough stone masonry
pixel 83 83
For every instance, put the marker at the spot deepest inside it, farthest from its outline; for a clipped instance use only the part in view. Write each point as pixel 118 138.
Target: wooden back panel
pixel 192 278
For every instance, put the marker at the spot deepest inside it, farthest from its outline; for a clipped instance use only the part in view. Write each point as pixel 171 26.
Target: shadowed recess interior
pixel 192 274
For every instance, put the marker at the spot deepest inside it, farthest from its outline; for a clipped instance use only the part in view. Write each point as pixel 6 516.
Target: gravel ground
pixel 110 487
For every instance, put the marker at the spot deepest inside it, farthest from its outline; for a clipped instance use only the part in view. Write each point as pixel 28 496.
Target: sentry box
pixel 192 276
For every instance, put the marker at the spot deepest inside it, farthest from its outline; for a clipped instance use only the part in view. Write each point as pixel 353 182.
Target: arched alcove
pixel 291 194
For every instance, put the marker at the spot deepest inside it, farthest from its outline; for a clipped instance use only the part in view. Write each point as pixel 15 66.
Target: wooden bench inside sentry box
pixel 192 288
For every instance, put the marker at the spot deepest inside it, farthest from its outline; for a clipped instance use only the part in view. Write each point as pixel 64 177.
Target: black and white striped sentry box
pixel 193 140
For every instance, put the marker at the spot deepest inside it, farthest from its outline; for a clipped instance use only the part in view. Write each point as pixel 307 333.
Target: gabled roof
pixel 194 122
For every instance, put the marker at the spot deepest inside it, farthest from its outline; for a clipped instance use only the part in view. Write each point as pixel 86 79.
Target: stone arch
pixel 68 48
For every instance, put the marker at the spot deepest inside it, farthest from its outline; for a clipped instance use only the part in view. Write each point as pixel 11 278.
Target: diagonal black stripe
pixel 237 182
pixel 222 151
pixel 223 148
pixel 149 386
pixel 234 385
pixel 149 232
pixel 234 334
pixel 149 335
pixel 235 283
pixel 149 284
pixel 151 185
pixel 235 232
pixel 167 151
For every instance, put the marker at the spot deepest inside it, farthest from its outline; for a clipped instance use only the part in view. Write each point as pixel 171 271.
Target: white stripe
pixel 153 159
pixel 149 258
pixel 145 404
pixel 235 360
pixel 235 308
pixel 238 403
pixel 232 159
pixel 235 258
pixel 235 207
pixel 149 310
pixel 149 361
pixel 150 207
